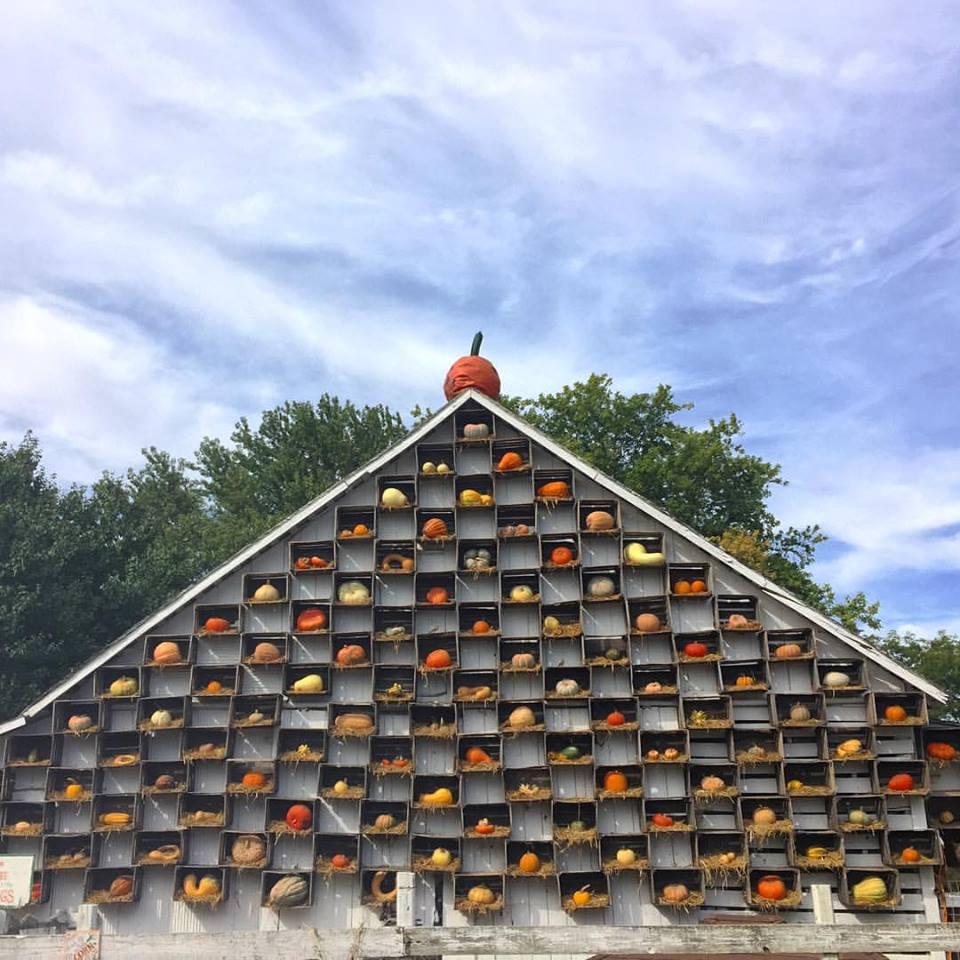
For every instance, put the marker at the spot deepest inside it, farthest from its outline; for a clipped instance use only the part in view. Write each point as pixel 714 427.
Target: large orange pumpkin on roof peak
pixel 472 371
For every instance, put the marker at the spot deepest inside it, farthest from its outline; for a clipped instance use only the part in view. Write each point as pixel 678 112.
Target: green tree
pixel 937 659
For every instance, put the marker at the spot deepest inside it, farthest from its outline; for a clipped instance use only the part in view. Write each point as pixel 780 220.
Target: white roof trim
pixel 305 512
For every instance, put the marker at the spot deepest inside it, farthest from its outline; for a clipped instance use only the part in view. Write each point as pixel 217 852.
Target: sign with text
pixel 16 881
pixel 80 945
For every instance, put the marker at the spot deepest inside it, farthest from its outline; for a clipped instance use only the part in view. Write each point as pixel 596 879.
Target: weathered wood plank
pixel 384 942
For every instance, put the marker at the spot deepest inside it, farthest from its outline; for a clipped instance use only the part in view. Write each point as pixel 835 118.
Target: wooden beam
pixel 389 942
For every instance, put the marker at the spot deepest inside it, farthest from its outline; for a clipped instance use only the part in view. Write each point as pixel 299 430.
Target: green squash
pixel 570 753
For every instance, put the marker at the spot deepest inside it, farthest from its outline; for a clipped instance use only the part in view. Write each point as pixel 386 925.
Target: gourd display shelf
pixel 481 665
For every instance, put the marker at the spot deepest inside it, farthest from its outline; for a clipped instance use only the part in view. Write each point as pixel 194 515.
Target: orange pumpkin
pixel 895 713
pixel 472 371
pixel 351 654
pixel 698 586
pixel 266 653
pixel 167 652
pixel 695 649
pixel 510 461
pixel 254 780
pixel 615 719
pixel 787 651
pixel 438 659
pixel 484 827
pixel 555 490
pixel 73 790
pixel 437 595
pixel 615 781
pixel 581 897
pixel 941 751
pixel 675 893
pixel 661 820
pixel 477 755
pixel 361 530
pixel 561 556
pixel 214 686
pixel 313 618
pixel 529 862
pixel 481 626
pixel 216 625
pixel 339 861
pixel 771 888
pixel 900 782
pixel 434 527
pixel 647 623
pixel 910 855
pixel 298 817
pixel 745 681
pixel 681 586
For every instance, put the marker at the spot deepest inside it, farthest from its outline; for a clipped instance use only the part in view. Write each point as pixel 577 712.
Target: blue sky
pixel 210 208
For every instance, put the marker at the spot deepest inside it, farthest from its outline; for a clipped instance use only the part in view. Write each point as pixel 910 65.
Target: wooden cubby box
pixel 737 613
pixel 80 718
pixel 435 854
pixel 734 677
pixel 700 647
pixel 393 624
pixel 118 683
pixel 426 785
pixel 788 877
pixel 101 885
pixel 162 713
pixel 842 741
pixel 299 824
pixel 384 818
pixel 407 487
pixel 755 815
pixel 695 577
pixel 394 684
pixel 790 640
pixel 158 777
pixel 574 823
pixel 934 740
pixel 208 886
pixel 652 554
pixel 202 811
pixel 609 782
pixel 22 819
pixel 70 851
pixel 205 744
pixel 300 682
pixel 809 778
pixel 656 681
pixel 615 853
pixel 473 417
pixel 662 879
pixel 356 523
pixel 831 673
pixel 800 709
pixel 475 686
pixel 164 848
pixel 641 612
pixel 888 708
pixel 568 749
pixel 60 778
pixel 474 491
pixel 598 525
pixel 527 785
pixel 120 749
pixel 814 850
pixel 668 815
pixel 435 591
pixel 478 905
pixel 547 478
pixel 595 884
pixel 518 445
pixel 434 720
pixel 722 856
pixel 268 882
pixel 252 582
pixel 600 585
pixel 703 787
pixel 343 783
pixel 251 778
pixel 753 748
pixel 329 851
pixel 804 743
pixel 42 883
pixel 395 558
pixel 906 849
pixel 707 713
pixel 471 747
pixel 116 813
pixel 302 745
pixel 310 618
pixel 31 750
pixel 614 716
pixel 219 614
pixel 431 456
pixel 434 539
pixel 479 818
pixel 541 849
pixel 385 883
pixel 559 551
pixel 312 556
pixel 391 756
pixel 851 876
pixel 566 683
pixel 213 682
pixel 516 521
pixel 887 772
pixel 665 746
pixel 869 813
pixel 244 850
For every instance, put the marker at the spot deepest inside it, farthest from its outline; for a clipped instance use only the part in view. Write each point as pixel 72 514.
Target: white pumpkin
pixel 601 587
pixel 567 688
pixel 161 718
pixel 392 498
pixel 353 591
pixel 266 593
pixel 836 678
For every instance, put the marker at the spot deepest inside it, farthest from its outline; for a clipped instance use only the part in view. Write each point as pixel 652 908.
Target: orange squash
pixel 787 651
pixel 581 897
pixel 351 654
pixel 555 490
pixel 698 586
pixel 695 649
pixel 910 855
pixel 895 713
pixel 73 790
pixel 529 862
pixel 434 527
pixel 484 827
pixel 661 820
pixel 438 660
pixel 745 681
pixel 561 556
pixel 477 755
pixel 216 625
pixel 361 530
pixel 615 719
pixel 681 586
pixel 481 626
pixel 311 619
pixel 615 781
pixel 510 461
pixel 472 371
pixel 254 780
pixel 900 782
pixel 266 653
pixel 214 686
pixel 437 595
pixel 646 623
pixel 941 751
pixel 771 888
pixel 167 652
pixel 298 817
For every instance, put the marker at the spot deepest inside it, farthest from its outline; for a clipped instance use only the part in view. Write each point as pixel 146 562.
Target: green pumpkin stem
pixel 475 346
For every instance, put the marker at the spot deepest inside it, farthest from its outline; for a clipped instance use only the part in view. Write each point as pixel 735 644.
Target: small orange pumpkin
pixel 615 719
pixel 438 659
pixel 167 652
pixel 661 820
pixel 698 586
pixel 771 887
pixel 434 527
pixel 73 790
pixel 900 782
pixel 510 461
pixel 895 713
pixel 484 827
pixel 299 817
pixel 313 618
pixel 254 780
pixel 941 751
pixel 214 686
pixel 361 530
pixel 437 595
pixel 745 681
pixel 529 862
pixel 675 892
pixel 481 626
pixel 555 490
pixel 581 897
pixel 351 654
pixel 216 625
pixel 477 755
pixel 615 781
pixel 788 651
pixel 561 556
pixel 910 855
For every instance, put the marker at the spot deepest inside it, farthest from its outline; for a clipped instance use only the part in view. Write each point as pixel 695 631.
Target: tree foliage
pixel 938 659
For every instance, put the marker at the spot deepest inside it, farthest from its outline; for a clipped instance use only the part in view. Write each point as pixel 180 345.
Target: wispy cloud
pixel 209 209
